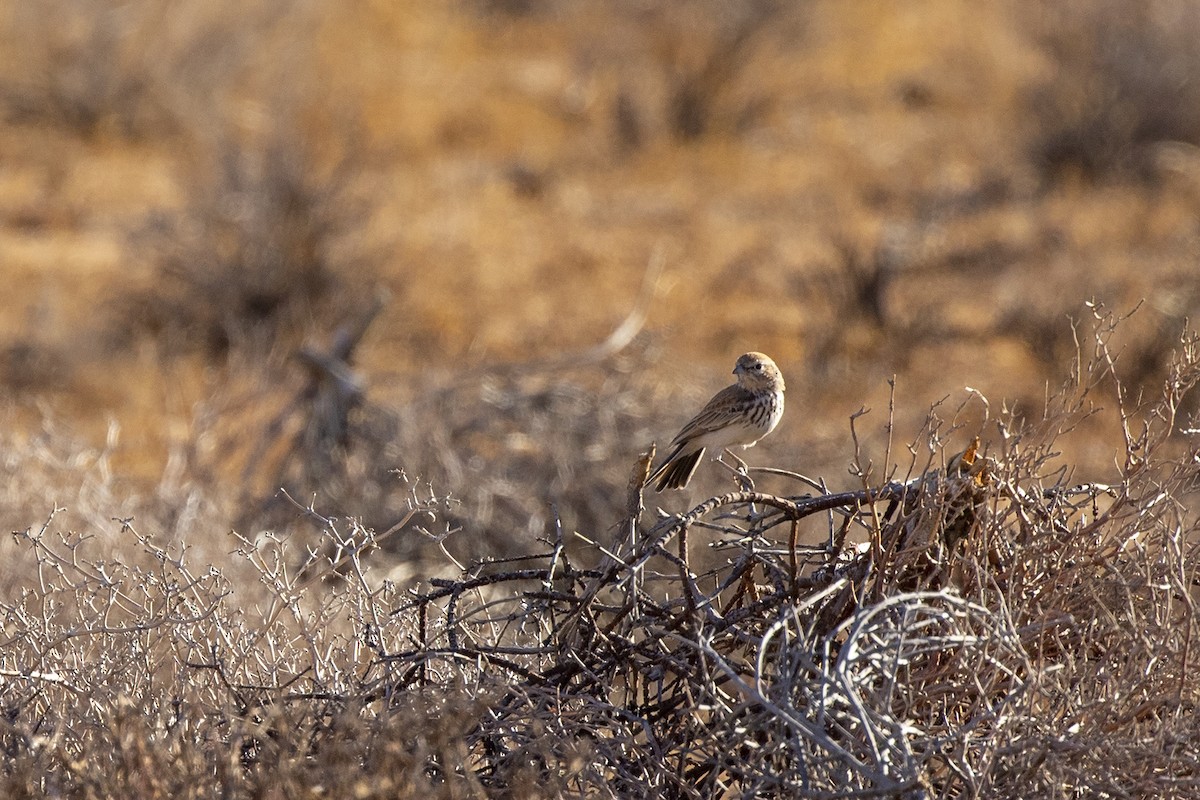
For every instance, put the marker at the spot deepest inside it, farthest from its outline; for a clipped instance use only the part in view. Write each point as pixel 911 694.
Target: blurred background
pixel 367 251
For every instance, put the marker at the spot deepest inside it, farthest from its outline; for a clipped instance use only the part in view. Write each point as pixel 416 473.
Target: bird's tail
pixel 676 470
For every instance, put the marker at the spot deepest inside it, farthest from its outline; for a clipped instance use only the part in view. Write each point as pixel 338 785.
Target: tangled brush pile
pixel 981 628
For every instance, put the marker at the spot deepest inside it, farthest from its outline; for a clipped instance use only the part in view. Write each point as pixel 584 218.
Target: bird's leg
pixel 741 473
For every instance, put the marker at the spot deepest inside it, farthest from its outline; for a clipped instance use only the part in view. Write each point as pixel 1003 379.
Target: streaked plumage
pixel 738 415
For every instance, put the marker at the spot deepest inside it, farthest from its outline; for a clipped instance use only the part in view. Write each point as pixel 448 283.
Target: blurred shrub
pixel 136 69
pixel 269 242
pixel 667 69
pixel 710 48
pixel 518 450
pixel 510 450
pixel 1124 76
pixel 27 364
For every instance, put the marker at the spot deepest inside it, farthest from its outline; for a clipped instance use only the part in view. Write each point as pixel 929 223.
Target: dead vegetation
pixel 1120 89
pixel 101 68
pixel 395 550
pixel 267 246
pixel 979 625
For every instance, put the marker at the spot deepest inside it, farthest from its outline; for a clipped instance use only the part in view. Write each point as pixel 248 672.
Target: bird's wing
pixel 715 414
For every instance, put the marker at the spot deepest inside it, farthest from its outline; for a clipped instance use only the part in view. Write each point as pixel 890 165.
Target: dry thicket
pixel 979 625
pixel 976 616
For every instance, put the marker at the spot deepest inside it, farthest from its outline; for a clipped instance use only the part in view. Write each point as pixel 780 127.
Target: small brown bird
pixel 740 414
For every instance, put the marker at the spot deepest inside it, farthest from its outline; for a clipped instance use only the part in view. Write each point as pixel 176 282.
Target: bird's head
pixel 757 371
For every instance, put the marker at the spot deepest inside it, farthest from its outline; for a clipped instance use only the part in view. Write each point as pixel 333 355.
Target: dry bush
pixel 50 467
pixel 981 626
pixel 276 181
pixel 135 69
pixel 511 447
pixel 705 63
pixel 1123 80
pixel 29 364
pixel 678 71
pixel 512 450
pixel 269 245
pixel 518 450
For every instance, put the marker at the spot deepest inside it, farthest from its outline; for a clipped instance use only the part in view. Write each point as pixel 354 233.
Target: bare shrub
pixel 679 70
pixel 700 79
pixel 513 452
pixel 1123 79
pixel 28 364
pixel 269 245
pixel 998 633
pixel 50 469
pixel 978 625
pixel 516 449
pixel 863 279
pixel 135 69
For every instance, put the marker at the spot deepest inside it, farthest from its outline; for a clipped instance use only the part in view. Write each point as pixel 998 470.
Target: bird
pixel 740 414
